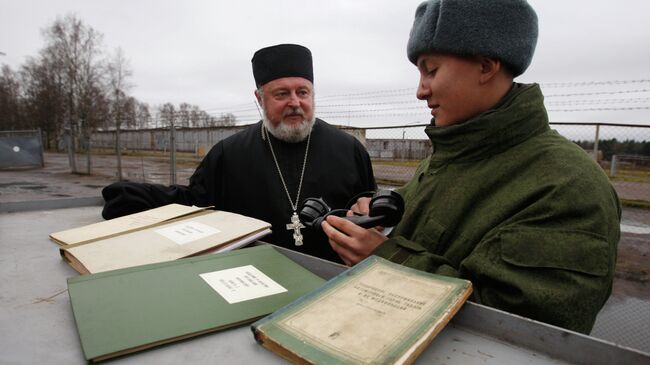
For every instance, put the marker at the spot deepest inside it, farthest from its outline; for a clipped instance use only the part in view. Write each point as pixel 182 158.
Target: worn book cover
pixel 121 225
pixel 377 312
pixel 127 310
pixel 191 231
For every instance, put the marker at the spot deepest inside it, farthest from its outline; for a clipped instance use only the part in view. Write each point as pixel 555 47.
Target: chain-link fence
pixel 623 151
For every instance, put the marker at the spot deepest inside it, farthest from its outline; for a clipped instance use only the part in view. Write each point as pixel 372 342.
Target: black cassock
pixel 239 175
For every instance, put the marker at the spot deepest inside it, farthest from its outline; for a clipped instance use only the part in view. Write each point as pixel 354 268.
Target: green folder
pixel 127 310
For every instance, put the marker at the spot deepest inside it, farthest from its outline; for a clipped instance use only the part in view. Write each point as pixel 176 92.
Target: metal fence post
pixel 614 168
pixel 596 138
pixel 89 157
pixel 69 144
pixel 40 142
pixel 172 150
pixel 118 150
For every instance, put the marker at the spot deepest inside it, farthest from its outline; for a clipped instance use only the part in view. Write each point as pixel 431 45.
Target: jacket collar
pixel 517 117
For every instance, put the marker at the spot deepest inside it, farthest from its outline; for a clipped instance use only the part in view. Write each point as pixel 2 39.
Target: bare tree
pixel 44 97
pixel 118 74
pixel 195 116
pixel 11 111
pixel 226 120
pixel 130 112
pixel 143 116
pixel 184 114
pixel 189 115
pixel 73 51
pixel 167 114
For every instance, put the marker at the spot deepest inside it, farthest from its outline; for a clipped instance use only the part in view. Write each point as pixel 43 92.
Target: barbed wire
pixel 230 107
pixel 599 93
pixel 593 83
pixel 391 111
pixel 600 101
pixel 232 111
pixel 369 93
pixel 393 103
pixel 600 109
pixel 346 115
pixel 423 107
pixel 370 104
pixel 410 92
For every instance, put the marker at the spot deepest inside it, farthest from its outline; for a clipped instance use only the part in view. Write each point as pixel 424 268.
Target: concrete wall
pixel 398 149
pixel 197 140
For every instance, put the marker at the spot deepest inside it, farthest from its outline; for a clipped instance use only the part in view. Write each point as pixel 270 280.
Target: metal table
pixel 38 327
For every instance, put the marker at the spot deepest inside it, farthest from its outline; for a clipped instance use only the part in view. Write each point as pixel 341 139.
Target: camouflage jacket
pixel 525 214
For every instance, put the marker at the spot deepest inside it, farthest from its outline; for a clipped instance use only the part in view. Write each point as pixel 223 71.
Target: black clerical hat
pixel 283 60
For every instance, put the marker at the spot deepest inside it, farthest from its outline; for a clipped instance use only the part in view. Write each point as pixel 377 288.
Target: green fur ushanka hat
pixel 502 29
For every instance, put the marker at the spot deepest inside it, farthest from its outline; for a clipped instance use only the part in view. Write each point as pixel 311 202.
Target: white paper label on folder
pixel 186 232
pixel 242 283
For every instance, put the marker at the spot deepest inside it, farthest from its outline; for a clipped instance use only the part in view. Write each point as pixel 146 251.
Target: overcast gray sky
pixel 199 52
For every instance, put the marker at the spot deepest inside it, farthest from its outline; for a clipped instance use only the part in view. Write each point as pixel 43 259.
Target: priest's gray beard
pixel 289 133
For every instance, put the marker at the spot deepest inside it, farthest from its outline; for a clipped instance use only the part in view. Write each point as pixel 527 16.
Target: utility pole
pixel 596 139
pixel 118 148
pixel 172 150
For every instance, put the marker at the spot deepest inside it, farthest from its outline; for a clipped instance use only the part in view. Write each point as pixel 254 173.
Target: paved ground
pixel 55 179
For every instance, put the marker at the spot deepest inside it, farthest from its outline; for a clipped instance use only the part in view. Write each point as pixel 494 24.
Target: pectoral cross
pixel 296 226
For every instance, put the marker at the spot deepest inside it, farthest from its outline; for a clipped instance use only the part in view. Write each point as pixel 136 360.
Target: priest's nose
pixel 294 101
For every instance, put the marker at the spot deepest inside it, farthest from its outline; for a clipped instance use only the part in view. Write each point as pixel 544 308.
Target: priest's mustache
pixel 293 111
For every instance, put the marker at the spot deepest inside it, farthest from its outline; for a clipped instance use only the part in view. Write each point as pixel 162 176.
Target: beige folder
pixel 157 235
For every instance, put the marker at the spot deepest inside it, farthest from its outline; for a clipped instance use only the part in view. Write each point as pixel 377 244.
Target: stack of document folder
pixel 127 310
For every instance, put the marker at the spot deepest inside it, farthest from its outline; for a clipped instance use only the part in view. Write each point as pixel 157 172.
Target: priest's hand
pixel 362 206
pixel 351 242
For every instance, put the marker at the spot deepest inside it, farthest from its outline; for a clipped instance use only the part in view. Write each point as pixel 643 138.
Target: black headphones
pixel 386 209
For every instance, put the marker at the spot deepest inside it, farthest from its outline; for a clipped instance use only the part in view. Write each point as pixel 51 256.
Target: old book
pixel 123 311
pixel 156 235
pixel 122 225
pixel 377 312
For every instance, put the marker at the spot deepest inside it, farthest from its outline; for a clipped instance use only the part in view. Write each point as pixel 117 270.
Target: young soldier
pixel 503 200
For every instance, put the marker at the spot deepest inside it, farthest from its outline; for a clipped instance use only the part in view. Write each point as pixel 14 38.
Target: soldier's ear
pixel 490 67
